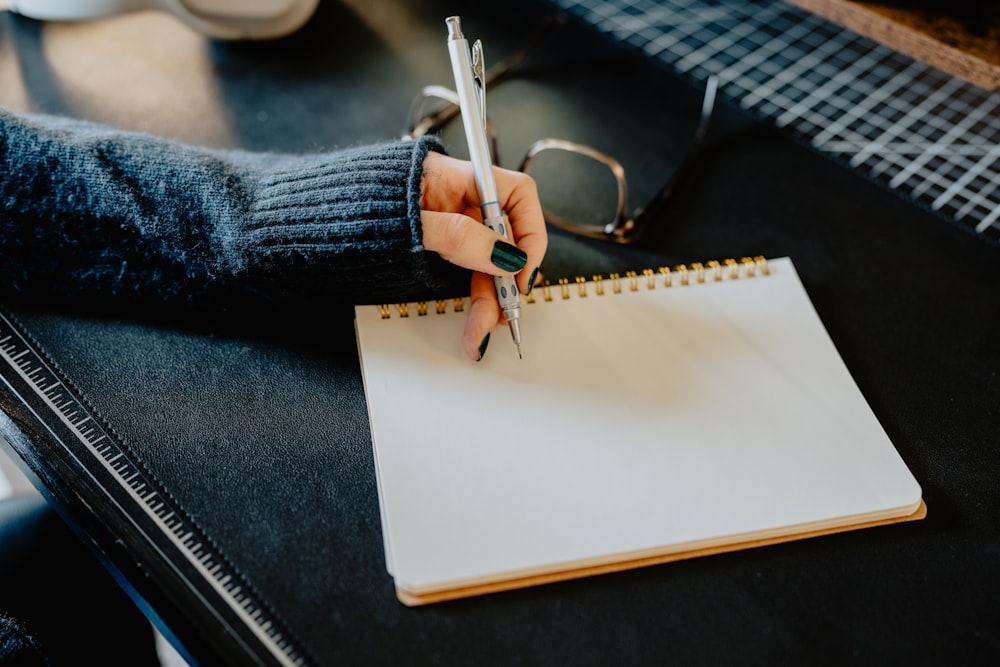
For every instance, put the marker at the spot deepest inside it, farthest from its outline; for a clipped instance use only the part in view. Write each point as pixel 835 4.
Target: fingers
pixel 483 316
pixel 467 242
pixel 449 187
pixel 452 227
pixel 519 199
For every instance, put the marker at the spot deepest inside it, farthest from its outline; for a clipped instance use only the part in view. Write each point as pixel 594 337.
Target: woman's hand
pixel 453 228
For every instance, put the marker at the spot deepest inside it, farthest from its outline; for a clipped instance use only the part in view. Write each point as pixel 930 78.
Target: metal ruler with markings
pixel 81 451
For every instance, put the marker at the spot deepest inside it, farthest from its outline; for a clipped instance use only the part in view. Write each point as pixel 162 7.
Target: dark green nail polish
pixel 482 347
pixel 531 279
pixel 508 257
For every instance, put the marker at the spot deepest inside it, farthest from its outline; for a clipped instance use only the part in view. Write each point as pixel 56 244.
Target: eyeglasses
pixel 549 160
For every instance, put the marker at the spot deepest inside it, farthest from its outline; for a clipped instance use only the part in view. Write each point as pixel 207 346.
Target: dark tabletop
pixel 908 298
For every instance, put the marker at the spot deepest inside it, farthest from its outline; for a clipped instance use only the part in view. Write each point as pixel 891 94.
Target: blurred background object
pixel 222 19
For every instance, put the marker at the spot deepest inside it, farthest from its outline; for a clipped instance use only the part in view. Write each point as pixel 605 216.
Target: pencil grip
pixel 498 223
pixel 506 286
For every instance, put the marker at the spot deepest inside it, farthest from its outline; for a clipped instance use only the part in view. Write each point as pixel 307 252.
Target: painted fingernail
pixel 508 256
pixel 482 347
pixel 531 279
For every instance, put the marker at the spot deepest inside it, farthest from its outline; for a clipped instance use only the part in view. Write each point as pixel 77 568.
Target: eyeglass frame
pixel 624 228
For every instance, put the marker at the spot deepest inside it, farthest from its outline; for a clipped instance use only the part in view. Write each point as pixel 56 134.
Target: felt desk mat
pixel 263 439
pixel 254 420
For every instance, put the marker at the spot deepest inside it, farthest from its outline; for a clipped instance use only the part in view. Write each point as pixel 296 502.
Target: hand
pixel 453 228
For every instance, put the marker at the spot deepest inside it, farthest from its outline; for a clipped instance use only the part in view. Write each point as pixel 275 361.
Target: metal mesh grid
pixel 923 132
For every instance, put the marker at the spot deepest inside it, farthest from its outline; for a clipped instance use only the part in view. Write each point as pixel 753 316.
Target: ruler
pixel 80 451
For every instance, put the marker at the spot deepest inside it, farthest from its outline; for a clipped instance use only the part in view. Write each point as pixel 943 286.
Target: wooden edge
pixel 415 600
pixel 907 40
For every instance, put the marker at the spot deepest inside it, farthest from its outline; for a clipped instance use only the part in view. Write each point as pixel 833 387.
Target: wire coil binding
pixel 634 281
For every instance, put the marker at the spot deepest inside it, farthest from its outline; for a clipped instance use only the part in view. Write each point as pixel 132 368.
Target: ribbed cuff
pixel 345 224
pixel 321 204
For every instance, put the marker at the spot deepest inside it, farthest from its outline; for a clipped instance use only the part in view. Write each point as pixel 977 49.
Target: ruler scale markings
pixel 21 357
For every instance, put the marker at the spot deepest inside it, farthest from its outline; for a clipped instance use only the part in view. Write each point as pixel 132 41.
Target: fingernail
pixel 508 256
pixel 531 279
pixel 482 347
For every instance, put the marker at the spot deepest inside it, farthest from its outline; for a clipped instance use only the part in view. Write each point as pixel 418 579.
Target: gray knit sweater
pixel 88 211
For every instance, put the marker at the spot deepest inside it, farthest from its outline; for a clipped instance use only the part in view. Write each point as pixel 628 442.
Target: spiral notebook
pixel 655 416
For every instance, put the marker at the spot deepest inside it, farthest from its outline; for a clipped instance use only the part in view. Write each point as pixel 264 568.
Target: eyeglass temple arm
pixel 687 164
pixel 427 123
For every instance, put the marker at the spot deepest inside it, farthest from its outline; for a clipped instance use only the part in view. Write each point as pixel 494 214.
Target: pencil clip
pixel 479 78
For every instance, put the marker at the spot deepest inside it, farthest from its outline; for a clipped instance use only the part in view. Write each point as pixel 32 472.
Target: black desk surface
pixel 908 298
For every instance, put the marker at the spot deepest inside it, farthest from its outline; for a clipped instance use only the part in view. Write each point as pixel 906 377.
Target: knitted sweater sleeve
pixel 91 211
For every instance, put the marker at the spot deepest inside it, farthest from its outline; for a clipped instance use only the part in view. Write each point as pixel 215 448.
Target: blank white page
pixel 638 424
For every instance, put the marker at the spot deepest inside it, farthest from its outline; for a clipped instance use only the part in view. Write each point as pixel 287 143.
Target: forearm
pixel 87 210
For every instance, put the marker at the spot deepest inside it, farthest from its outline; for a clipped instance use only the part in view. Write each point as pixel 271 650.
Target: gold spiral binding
pixel 683 271
pixel 734 268
pixel 699 271
pixel 650 278
pixel 716 270
pixel 752 265
pixel 682 274
pixel 564 287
